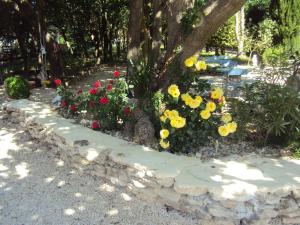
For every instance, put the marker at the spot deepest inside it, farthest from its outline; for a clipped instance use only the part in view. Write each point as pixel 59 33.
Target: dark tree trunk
pixel 55 59
pixel 156 31
pixel 134 32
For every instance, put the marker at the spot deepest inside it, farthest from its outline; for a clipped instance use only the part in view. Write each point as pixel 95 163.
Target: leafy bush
pixel 275 56
pixel 17 87
pixel 106 104
pixel 192 118
pixel 269 112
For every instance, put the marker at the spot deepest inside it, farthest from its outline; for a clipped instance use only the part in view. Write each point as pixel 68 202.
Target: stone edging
pixel 228 191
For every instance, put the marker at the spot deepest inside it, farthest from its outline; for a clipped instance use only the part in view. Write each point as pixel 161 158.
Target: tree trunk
pixel 240 30
pixel 175 10
pixel 55 57
pixel 216 13
pixel 134 32
pixel 156 31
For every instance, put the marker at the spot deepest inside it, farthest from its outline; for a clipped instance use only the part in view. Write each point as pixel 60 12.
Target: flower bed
pixel 190 114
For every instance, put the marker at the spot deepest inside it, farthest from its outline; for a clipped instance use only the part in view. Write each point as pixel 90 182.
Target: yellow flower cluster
pixel 164 144
pixel 173 90
pixel 229 126
pixel 176 121
pixel 190 101
pixel 201 65
pixel 193 61
pixel 164 134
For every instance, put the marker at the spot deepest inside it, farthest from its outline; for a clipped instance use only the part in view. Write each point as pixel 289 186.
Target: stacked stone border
pixel 236 190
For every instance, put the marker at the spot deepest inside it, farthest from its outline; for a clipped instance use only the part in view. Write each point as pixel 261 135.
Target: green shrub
pixel 275 56
pixel 17 87
pixel 269 112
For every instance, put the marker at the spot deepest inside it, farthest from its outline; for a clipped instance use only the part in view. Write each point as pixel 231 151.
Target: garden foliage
pixel 269 113
pixel 17 87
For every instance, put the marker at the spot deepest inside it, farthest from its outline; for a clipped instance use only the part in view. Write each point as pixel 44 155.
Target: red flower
pixel 127 111
pixel 63 103
pixel 116 74
pixel 111 81
pixel 95 125
pixel 73 108
pixel 91 104
pixel 103 101
pixel 97 84
pixel 93 91
pixel 79 91
pixel 57 82
pixel 109 87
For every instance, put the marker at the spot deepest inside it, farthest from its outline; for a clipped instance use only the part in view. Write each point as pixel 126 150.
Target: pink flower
pixel 127 111
pixel 103 100
pixel 109 87
pixel 93 91
pixel 116 74
pixel 95 125
pixel 97 84
pixel 57 82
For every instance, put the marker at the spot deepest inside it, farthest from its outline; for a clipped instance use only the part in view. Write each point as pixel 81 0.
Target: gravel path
pixel 36 187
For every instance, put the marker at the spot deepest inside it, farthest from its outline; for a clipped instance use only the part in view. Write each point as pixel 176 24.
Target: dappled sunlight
pixel 297 179
pixel 49 179
pixel 22 170
pixel 237 188
pixel 69 212
pixel 112 212
pixel 106 187
pixel 243 172
pixel 126 197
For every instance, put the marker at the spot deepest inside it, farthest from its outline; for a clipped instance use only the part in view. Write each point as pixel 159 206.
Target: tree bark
pixel 156 31
pixel 175 10
pixel 134 32
pixel 215 14
pixel 240 30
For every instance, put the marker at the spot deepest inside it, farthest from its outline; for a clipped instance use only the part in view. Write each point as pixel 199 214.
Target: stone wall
pixel 236 190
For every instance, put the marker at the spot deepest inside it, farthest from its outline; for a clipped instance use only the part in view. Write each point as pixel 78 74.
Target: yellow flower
pixel 189 62
pixel 164 133
pixel 201 65
pixel 163 118
pixel 185 97
pixel 226 118
pixel 231 127
pixel 223 131
pixel 195 103
pixel 217 93
pixel 173 90
pixel 211 106
pixel 205 114
pixel 173 114
pixel 164 144
pixel 178 122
